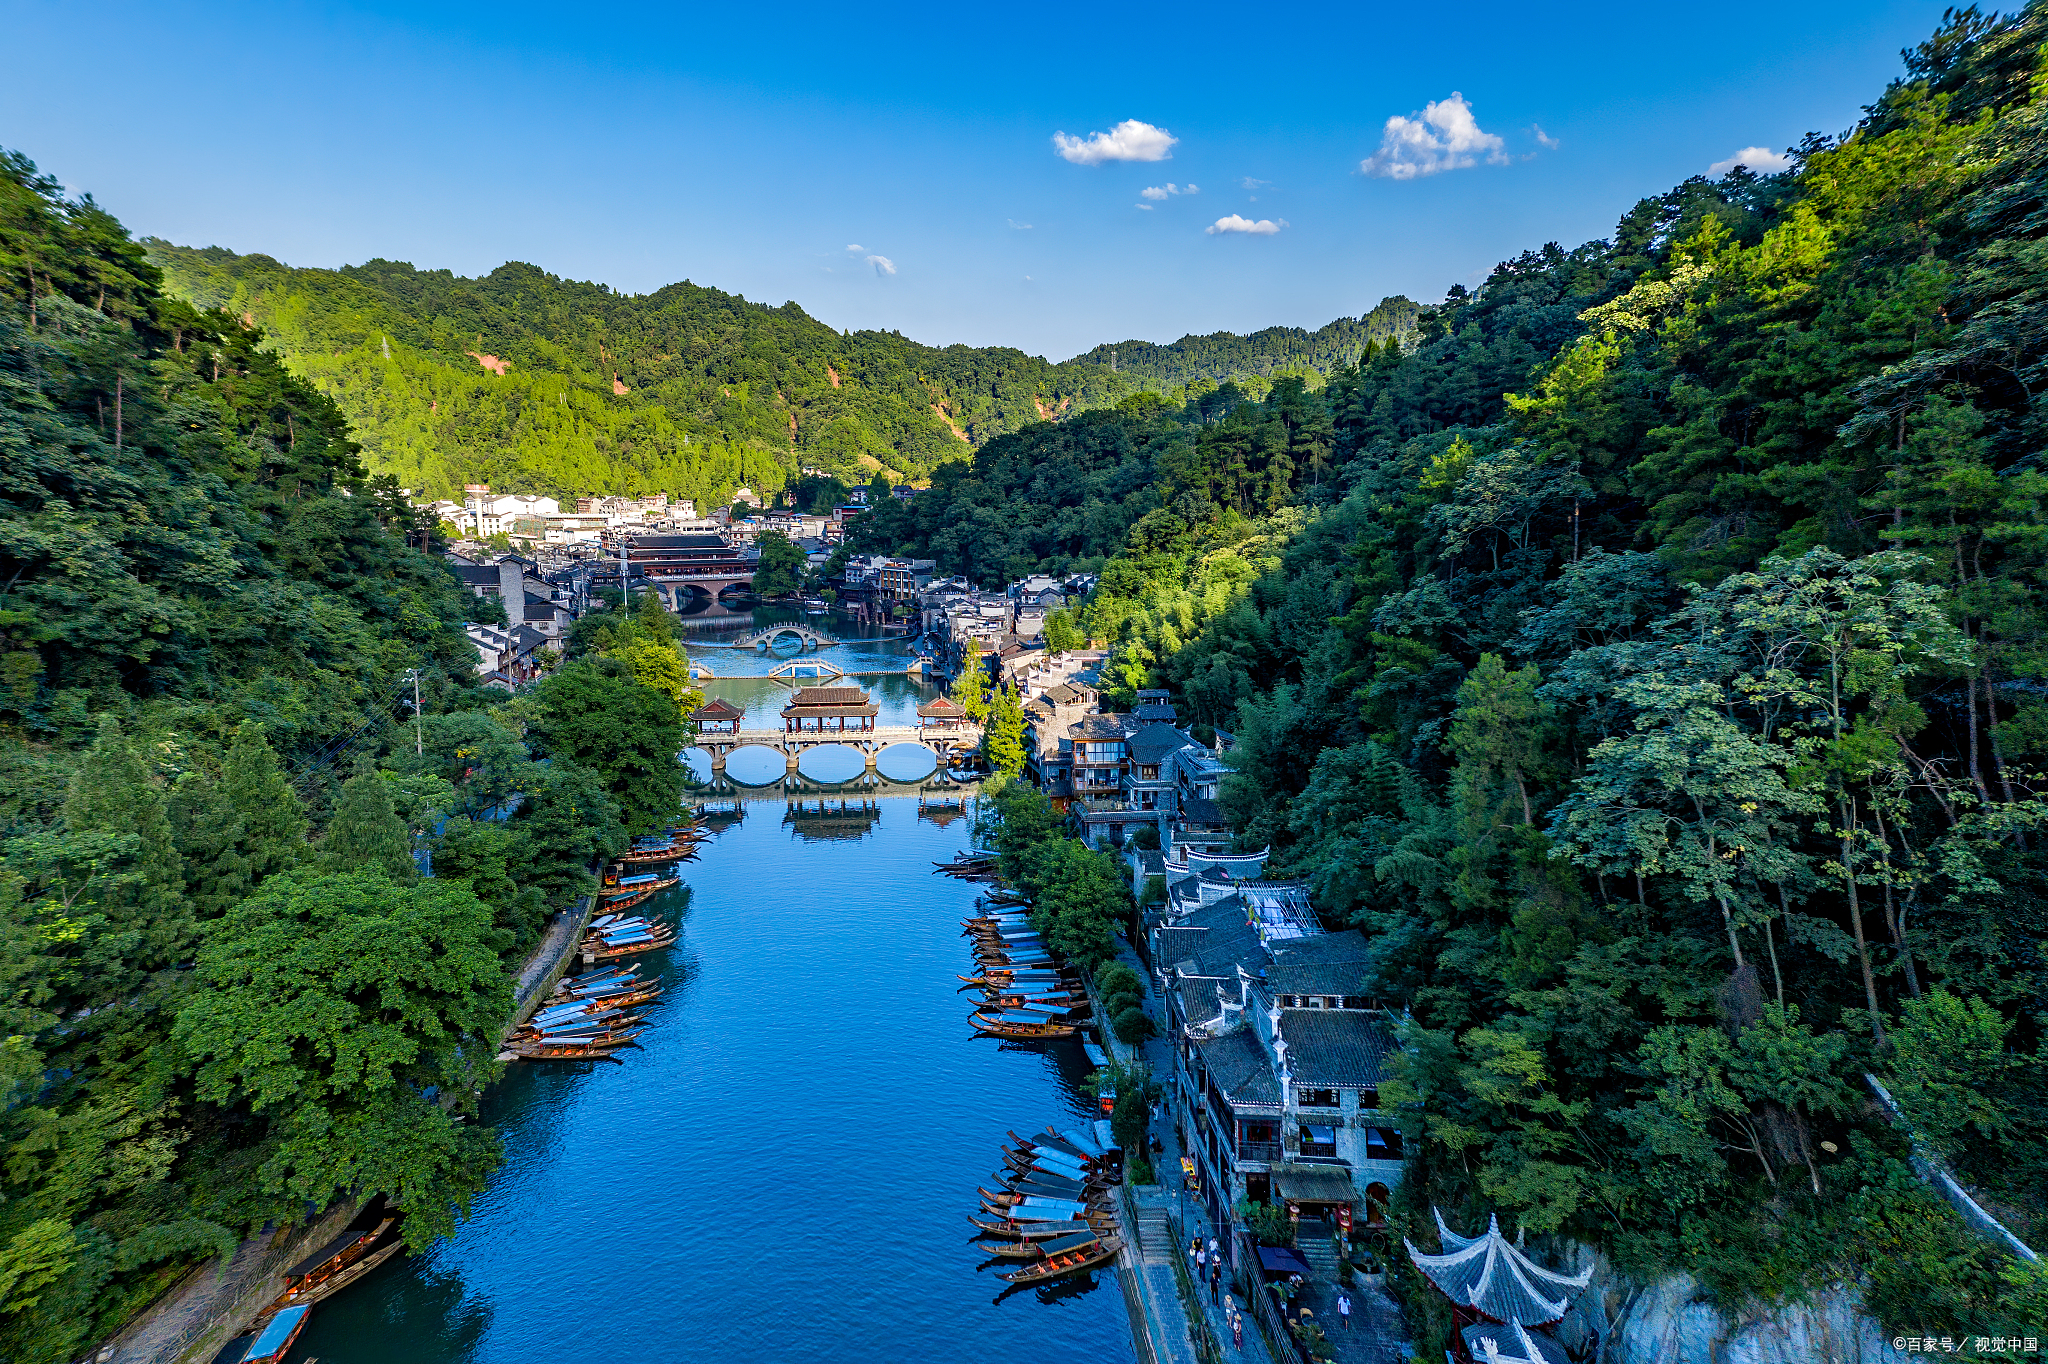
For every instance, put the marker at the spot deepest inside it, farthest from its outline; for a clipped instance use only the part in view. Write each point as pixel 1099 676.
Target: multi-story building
pixel 1049 718
pixel 1279 1056
pixel 1099 758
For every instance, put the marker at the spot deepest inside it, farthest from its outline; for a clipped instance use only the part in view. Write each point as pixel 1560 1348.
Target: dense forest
pixel 258 915
pixel 1649 659
pixel 1261 357
pixel 534 383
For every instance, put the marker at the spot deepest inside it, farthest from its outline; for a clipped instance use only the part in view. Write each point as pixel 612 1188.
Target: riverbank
pixel 216 1301
pixel 796 1146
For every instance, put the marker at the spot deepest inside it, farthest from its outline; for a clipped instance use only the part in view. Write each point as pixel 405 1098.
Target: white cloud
pixel 883 265
pixel 1443 137
pixel 1543 139
pixel 1021 227
pixel 1249 183
pixel 855 249
pixel 1128 141
pixel 1264 227
pixel 1146 207
pixel 1762 160
pixel 1157 192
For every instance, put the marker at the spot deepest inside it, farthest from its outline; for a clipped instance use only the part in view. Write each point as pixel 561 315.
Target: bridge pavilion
pixel 830 710
pixel 941 712
pixel 717 716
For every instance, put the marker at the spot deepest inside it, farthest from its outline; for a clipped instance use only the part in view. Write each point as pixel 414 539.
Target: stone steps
pixel 1155 1236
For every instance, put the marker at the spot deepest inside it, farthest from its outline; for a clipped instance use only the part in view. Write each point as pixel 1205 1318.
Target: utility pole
pixel 419 739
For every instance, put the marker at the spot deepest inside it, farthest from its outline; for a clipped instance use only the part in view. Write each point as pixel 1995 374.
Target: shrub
pixel 1266 1221
pixel 1134 1025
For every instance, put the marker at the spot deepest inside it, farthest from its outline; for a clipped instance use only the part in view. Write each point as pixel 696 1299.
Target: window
pixel 1355 1002
pixel 1368 1098
pixel 1315 1098
pixel 1381 1143
pixel 1319 1141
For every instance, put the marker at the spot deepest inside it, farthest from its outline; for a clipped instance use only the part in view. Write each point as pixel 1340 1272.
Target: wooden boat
pixel 1069 1258
pixel 634 885
pixel 603 952
pixel 1039 1208
pixel 643 856
pixel 1049 1186
pixel 1023 1000
pixel 543 1050
pixel 629 900
pixel 1026 1162
pixel 1023 1030
pixel 366 1242
pixel 274 1341
pixel 1042 1231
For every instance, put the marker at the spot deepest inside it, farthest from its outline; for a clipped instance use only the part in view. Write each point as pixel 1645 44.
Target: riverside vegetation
pixel 1645 650
pixel 1649 658
pixel 227 993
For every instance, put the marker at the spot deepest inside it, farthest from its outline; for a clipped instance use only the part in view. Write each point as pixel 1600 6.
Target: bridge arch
pixel 805 635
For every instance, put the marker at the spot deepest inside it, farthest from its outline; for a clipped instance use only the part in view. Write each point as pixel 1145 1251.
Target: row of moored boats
pixel 1051 1206
pixel 598 1013
pixel 1029 993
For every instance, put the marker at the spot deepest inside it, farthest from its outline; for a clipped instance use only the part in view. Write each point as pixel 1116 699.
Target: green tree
pixel 779 572
pixel 1061 635
pixel 272 816
pixel 593 714
pixel 366 833
pixel 1003 738
pixel 337 1006
pixel 147 920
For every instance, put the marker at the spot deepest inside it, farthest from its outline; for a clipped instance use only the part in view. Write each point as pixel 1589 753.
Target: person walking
pixel 1201 1261
pixel 1215 1280
pixel 1344 1310
pixel 1237 1329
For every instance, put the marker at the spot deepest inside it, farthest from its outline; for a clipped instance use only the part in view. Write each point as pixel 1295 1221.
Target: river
pixel 784 1172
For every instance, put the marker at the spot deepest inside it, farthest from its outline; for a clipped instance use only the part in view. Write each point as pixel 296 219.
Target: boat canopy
pixel 270 1344
pixel 1045 1210
pixel 1067 1243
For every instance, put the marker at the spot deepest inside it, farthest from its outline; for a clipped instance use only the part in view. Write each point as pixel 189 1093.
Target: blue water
pixel 784 1172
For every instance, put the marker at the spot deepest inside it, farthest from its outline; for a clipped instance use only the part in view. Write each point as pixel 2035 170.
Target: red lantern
pixel 1344 1216
pixel 1294 1212
pixel 1107 1100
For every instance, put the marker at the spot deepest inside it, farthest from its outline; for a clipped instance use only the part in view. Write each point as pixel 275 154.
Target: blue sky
pixel 804 152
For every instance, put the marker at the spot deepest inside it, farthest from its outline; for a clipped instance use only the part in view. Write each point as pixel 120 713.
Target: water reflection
pixel 782 1173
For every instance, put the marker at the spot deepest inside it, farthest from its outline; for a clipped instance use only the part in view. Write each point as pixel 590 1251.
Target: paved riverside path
pixel 1159 1239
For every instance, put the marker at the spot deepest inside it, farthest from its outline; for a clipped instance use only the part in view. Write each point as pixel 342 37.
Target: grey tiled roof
pixel 1199 938
pixel 1331 964
pixel 1241 1068
pixel 1152 743
pixel 1329 1047
pixel 1202 811
pixel 1152 863
pixel 1098 727
pixel 1199 1002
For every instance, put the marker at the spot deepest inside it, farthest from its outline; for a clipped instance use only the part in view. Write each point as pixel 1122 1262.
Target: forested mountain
pixel 535 383
pixel 227 992
pixel 1650 661
pixel 1260 357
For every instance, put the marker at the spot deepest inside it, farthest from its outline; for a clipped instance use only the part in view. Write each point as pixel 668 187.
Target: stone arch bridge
pixel 944 742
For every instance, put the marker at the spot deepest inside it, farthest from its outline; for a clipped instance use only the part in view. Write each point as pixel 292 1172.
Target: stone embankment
pixel 217 1300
